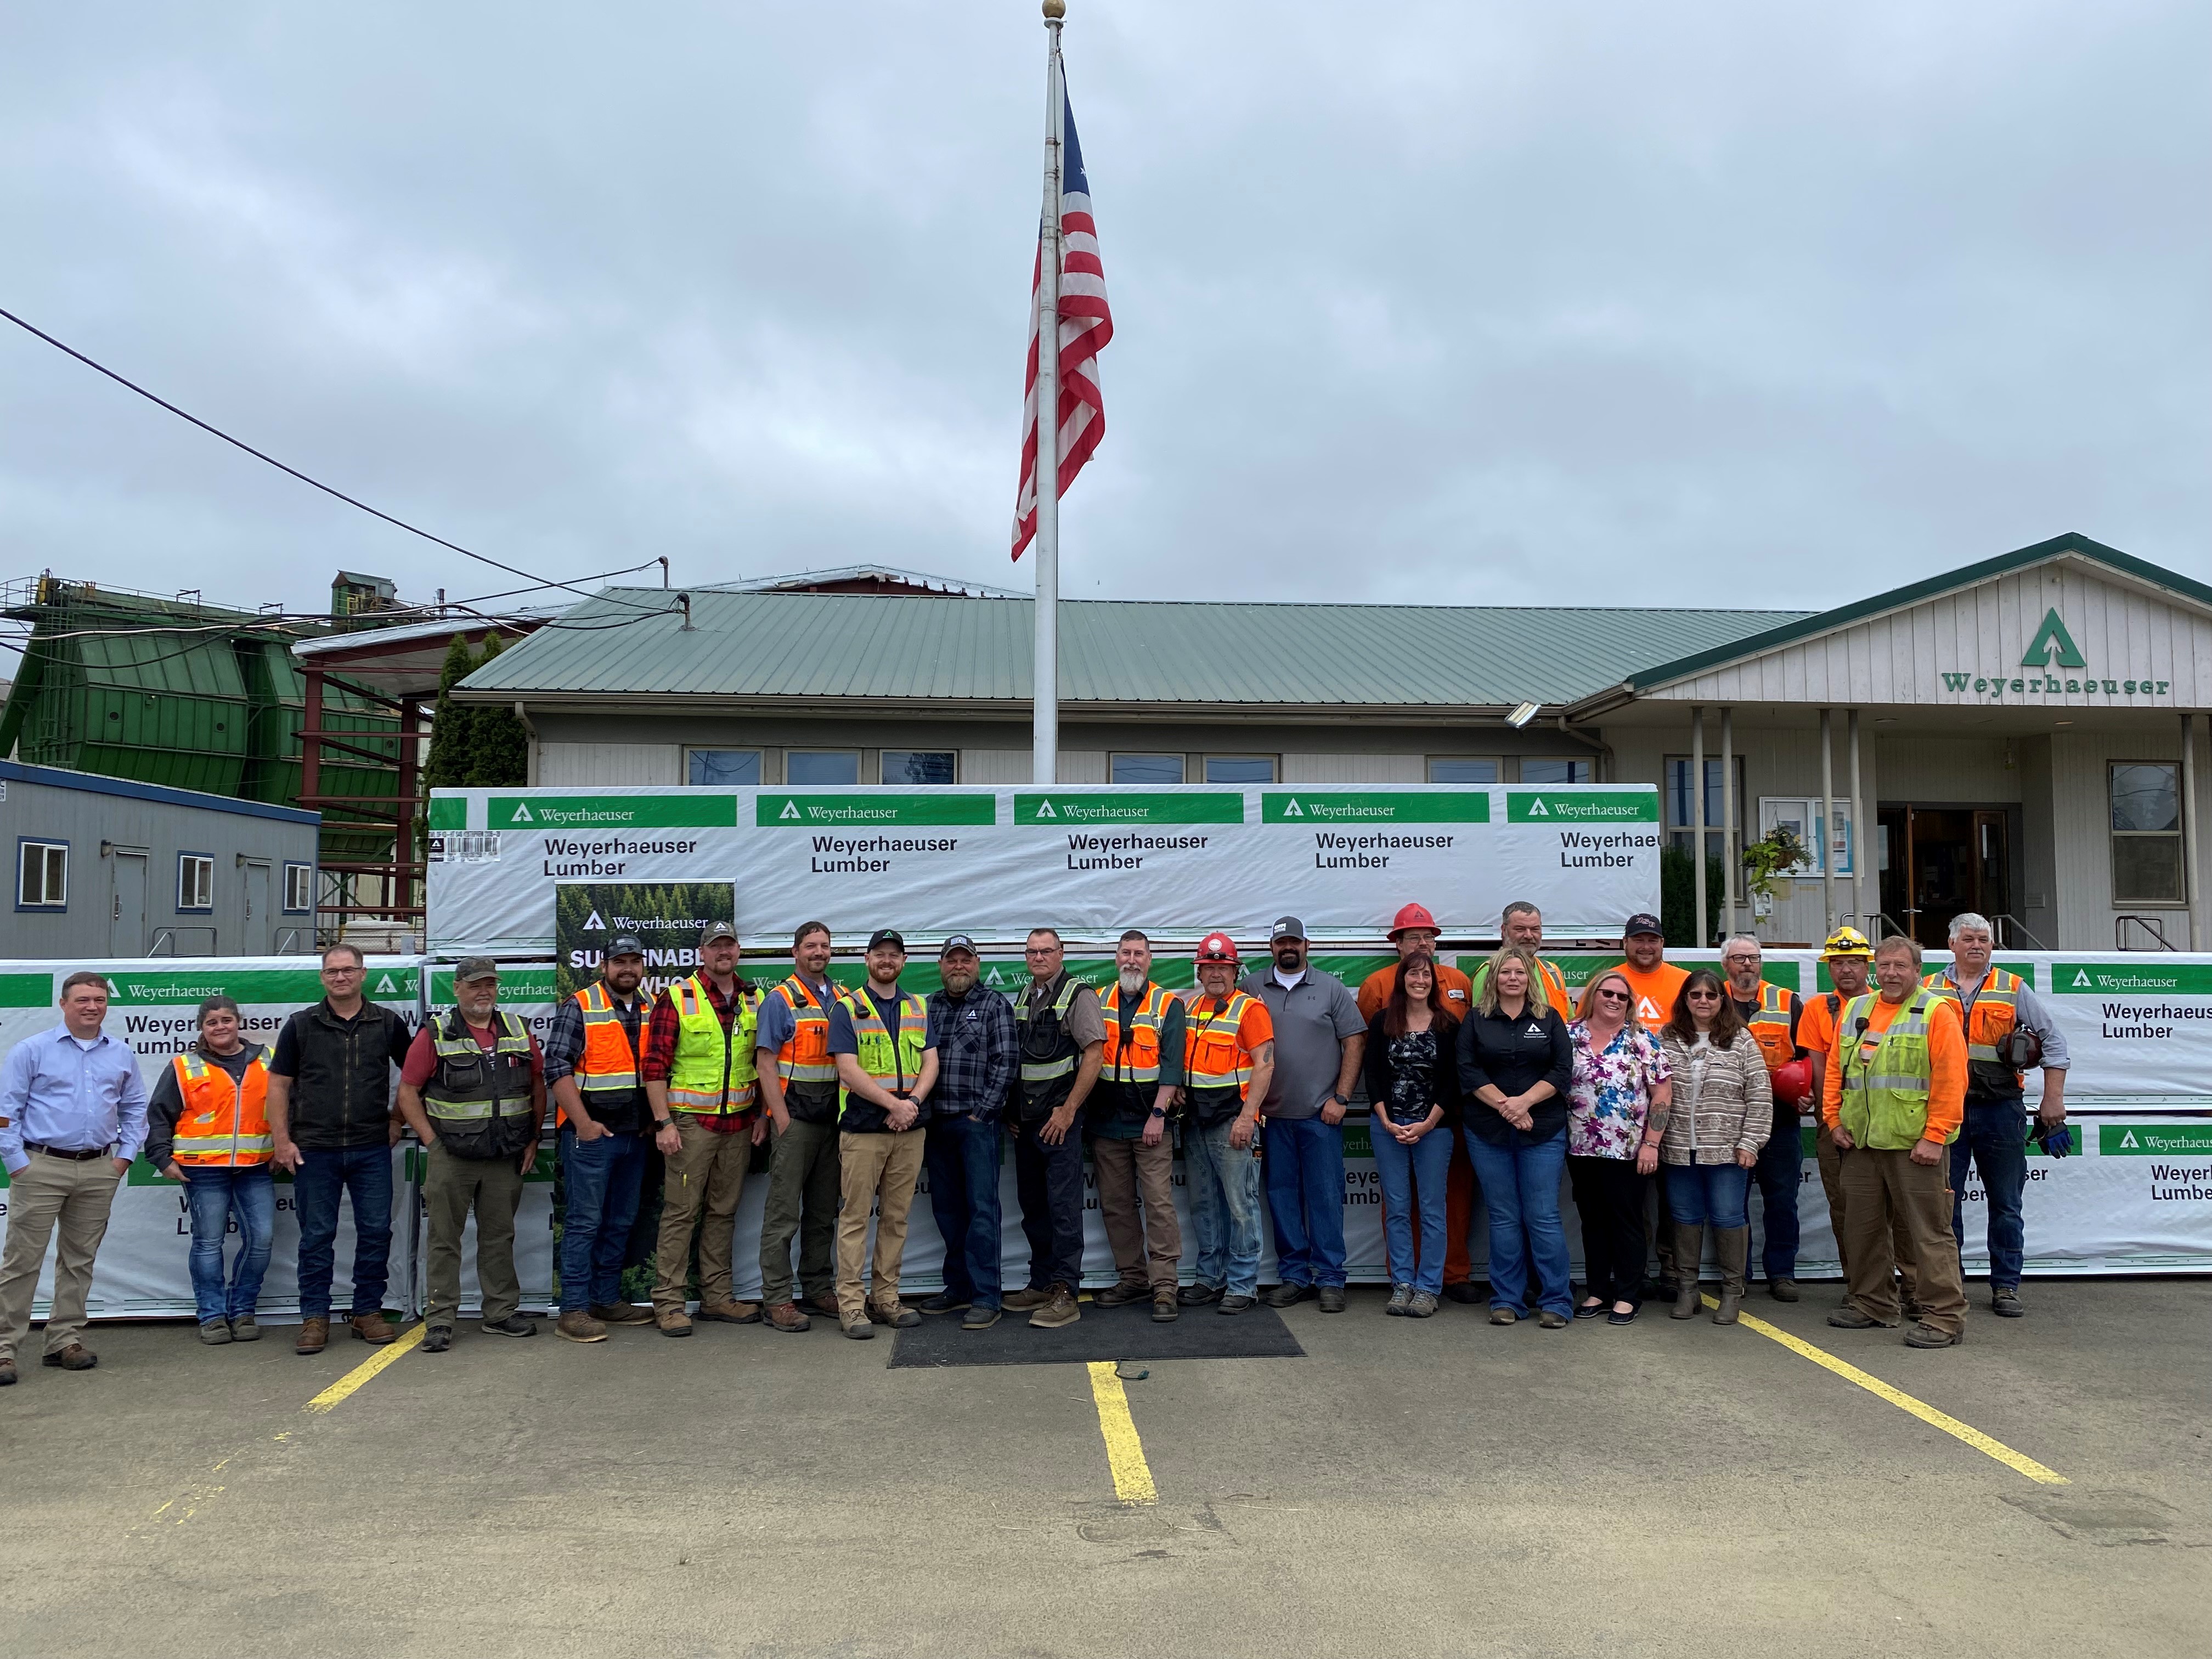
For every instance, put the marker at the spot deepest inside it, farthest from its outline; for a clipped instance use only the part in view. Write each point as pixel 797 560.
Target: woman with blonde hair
pixel 1616 1109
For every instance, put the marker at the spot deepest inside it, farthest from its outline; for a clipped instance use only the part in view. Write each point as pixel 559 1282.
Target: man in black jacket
pixel 331 1116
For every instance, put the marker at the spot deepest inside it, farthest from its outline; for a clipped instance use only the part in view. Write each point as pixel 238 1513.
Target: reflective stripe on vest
pixel 508 1056
pixel 1995 1012
pixel 1769 1026
pixel 223 1123
pixel 895 1067
pixel 1885 1099
pixel 1140 1061
pixel 711 1073
pixel 806 1058
pixel 1044 1070
pixel 1214 1056
pixel 609 1064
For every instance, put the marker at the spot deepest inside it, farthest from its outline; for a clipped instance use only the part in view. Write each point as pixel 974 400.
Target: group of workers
pixel 1687 1081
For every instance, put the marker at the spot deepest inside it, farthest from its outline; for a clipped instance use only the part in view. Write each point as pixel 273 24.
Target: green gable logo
pixel 2053 647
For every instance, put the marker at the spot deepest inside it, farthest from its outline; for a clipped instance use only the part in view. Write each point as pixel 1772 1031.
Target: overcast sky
pixel 1474 303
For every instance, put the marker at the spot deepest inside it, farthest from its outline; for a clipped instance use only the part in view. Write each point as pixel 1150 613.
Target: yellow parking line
pixel 344 1387
pixel 2019 1462
pixel 1125 1453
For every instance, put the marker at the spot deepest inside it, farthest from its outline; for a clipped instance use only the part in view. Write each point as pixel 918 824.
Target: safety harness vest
pixel 479 1097
pixel 713 1070
pixel 1048 1051
pixel 223 1124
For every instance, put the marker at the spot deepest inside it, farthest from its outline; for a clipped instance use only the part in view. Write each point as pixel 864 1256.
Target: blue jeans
pixel 364 1173
pixel 1709 1195
pixel 961 1153
pixel 1224 1208
pixel 1413 1181
pixel 1304 1168
pixel 215 1195
pixel 1521 1191
pixel 1994 1137
pixel 600 1181
pixel 1779 1161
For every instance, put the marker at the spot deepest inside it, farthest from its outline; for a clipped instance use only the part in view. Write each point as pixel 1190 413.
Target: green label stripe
pixel 515 985
pixel 251 985
pixel 449 812
pixel 2154 1139
pixel 1336 807
pixel 2151 979
pixel 26 990
pixel 1581 806
pixel 1062 811
pixel 586 813
pixel 809 812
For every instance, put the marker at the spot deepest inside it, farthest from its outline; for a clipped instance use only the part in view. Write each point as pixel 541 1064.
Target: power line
pixel 239 443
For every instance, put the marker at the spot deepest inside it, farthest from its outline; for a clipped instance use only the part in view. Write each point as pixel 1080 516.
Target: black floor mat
pixel 1124 1332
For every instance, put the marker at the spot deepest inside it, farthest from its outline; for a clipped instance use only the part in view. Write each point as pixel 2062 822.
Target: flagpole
pixel 1045 688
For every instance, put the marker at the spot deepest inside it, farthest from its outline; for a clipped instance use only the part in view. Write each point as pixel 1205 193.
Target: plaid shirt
pixel 975 1056
pixel 564 1052
pixel 660 1050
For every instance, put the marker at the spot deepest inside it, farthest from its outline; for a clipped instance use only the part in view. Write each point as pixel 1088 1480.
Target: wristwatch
pixel 1160 1111
pixel 661 1123
pixel 1339 1099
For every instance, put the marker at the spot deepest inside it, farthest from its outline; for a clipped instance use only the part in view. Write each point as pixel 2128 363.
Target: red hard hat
pixel 1216 947
pixel 1793 1082
pixel 1412 916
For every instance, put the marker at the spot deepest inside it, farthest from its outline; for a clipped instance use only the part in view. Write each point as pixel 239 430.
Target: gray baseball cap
pixel 1287 927
pixel 625 944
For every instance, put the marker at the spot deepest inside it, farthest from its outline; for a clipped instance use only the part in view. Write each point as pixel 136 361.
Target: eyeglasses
pixel 341 973
pixel 1613 996
pixel 1704 996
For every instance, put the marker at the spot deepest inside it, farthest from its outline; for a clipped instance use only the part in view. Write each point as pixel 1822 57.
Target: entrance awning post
pixel 1697 818
pixel 2192 835
pixel 1731 857
pixel 1858 825
pixel 1828 817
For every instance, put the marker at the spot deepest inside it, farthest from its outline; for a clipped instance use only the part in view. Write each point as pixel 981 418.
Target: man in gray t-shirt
pixel 1319 1040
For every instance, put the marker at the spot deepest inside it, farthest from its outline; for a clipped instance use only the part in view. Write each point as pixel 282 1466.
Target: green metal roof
pixel 630 642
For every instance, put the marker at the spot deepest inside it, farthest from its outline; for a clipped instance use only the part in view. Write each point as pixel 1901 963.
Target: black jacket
pixel 1513 1055
pixel 341 1073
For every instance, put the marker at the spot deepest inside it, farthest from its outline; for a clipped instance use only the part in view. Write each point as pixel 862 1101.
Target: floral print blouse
pixel 1610 1097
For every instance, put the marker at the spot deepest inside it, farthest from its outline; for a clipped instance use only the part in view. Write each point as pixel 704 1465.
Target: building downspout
pixel 523 714
pixel 1604 749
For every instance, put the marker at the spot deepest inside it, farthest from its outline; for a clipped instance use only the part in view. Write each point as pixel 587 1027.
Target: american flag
pixel 1085 325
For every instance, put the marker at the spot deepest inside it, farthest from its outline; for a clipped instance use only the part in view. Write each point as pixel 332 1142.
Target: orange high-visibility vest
pixel 609 1065
pixel 805 1057
pixel 1769 1025
pixel 1213 1055
pixel 223 1124
pixel 1133 1057
pixel 1995 1012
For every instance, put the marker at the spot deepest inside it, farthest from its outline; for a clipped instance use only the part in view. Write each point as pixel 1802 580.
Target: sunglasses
pixel 1613 996
pixel 1704 996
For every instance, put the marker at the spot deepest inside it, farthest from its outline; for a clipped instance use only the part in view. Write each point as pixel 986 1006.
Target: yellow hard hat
pixel 1847 942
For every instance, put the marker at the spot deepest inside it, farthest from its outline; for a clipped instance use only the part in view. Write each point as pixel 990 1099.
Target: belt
pixel 71 1153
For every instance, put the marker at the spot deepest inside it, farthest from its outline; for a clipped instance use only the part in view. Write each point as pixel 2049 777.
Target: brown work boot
pixel 1120 1291
pixel 621 1313
pixel 73 1357
pixel 728 1311
pixel 314 1336
pixel 826 1306
pixel 1165 1307
pixel 1022 1301
pixel 673 1322
pixel 786 1317
pixel 581 1326
pixel 373 1328
pixel 1059 1310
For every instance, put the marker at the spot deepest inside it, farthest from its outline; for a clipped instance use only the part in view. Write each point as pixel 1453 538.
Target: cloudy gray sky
pixel 1468 303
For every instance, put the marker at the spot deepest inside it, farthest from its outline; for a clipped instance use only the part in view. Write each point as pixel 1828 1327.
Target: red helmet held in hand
pixel 1793 1082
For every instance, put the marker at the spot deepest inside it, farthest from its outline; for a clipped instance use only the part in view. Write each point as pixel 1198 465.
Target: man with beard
pixel 972 1029
pixel 1127 1124
pixel 591 1058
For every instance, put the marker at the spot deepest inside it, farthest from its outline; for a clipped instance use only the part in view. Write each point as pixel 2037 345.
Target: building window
pixel 1240 769
pixel 1800 816
pixel 721 766
pixel 195 882
pixel 1461 768
pixel 42 878
pixel 1551 771
pixel 1144 769
pixel 1678 810
pixel 299 888
pixel 2146 799
pixel 919 766
pixel 822 766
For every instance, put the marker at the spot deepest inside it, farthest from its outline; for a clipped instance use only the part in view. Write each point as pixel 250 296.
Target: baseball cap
pixel 1286 927
pixel 474 968
pixel 625 944
pixel 1642 922
pixel 958 942
pixel 890 936
pixel 714 930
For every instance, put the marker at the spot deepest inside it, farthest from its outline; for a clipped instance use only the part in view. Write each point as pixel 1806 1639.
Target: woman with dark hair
pixel 1515 1069
pixel 208 1126
pixel 1413 1085
pixel 1721 1112
pixel 1616 1106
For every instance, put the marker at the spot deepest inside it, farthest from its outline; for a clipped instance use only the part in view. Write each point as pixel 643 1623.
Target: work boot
pixel 979 1318
pixel 1466 1291
pixel 1059 1310
pixel 1287 1295
pixel 1689 1251
pixel 1236 1305
pixel 371 1327
pixel 1197 1296
pixel 513 1325
pixel 1733 1246
pixel 1849 1318
pixel 1399 1296
pixel 1782 1290
pixel 1122 1292
pixel 244 1329
pixel 786 1317
pixel 1165 1309
pixel 673 1322
pixel 580 1327
pixel 1332 1298
pixel 898 1316
pixel 216 1331
pixel 858 1329
pixel 1927 1336
pixel 821 1302
pixel 945 1302
pixel 7 1373
pixel 2005 1302
pixel 1023 1300
pixel 314 1335
pixel 73 1357
pixel 621 1313
pixel 730 1311
pixel 1421 1305
pixel 437 1338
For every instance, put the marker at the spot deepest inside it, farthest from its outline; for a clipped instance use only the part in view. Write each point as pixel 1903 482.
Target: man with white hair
pixel 1995 1008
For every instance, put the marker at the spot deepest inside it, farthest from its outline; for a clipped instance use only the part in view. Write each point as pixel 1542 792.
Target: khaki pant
pixel 708 1172
pixel 1886 1190
pixel 451 1187
pixel 875 1171
pixel 1144 1252
pixel 66 1195
pixel 1830 1158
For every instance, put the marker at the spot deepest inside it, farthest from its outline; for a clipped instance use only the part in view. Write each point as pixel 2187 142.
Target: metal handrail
pixel 2008 922
pixel 168 936
pixel 2152 925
